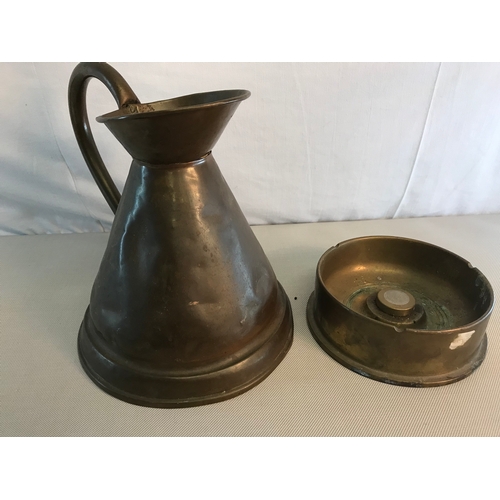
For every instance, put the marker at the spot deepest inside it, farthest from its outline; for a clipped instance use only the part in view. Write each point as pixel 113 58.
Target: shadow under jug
pixel 185 309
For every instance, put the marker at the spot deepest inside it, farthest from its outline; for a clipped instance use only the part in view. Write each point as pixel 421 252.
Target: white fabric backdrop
pixel 316 141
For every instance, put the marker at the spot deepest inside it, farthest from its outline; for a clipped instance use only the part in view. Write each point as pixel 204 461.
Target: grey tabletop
pixel 45 282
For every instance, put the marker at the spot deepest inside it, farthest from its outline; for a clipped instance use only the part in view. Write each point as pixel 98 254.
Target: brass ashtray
pixel 400 311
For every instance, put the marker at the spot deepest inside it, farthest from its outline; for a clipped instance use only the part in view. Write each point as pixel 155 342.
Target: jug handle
pixel 77 93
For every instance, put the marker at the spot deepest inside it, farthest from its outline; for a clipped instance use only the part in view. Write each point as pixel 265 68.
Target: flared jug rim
pixel 176 104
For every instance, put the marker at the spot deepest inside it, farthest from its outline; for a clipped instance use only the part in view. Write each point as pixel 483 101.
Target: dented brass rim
pixel 423 324
pixel 390 378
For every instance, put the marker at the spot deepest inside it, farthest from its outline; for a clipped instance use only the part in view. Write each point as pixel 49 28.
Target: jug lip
pixel 176 104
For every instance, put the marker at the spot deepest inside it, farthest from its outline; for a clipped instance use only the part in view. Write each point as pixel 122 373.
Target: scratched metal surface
pixel 45 282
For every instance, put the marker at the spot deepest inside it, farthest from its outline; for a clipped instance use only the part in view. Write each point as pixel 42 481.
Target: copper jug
pixel 185 309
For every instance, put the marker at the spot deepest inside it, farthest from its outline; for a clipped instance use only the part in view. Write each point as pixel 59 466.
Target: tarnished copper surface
pixel 185 309
pixel 400 311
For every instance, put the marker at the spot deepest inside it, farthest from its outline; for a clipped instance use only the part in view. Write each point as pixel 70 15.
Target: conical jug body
pixel 185 309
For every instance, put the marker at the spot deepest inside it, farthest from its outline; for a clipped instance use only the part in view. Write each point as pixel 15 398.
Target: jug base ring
pixel 256 367
pixel 390 378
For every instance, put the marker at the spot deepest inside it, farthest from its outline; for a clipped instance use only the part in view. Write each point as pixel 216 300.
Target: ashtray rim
pixel 450 331
pixel 380 350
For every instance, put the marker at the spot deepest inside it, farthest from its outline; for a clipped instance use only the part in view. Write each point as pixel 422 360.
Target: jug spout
pixel 176 130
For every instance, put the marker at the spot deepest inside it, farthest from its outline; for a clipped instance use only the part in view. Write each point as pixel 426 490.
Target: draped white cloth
pixel 315 142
